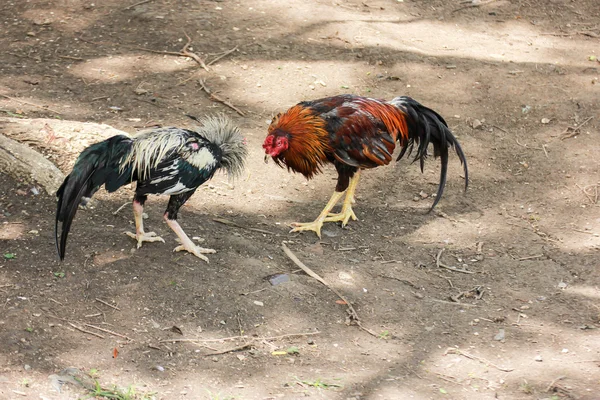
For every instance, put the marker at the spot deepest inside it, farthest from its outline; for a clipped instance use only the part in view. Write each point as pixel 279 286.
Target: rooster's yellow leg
pixel 186 242
pixel 316 225
pixel 140 235
pixel 347 211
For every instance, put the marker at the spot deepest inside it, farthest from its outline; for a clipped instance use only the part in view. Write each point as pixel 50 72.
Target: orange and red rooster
pixel 355 133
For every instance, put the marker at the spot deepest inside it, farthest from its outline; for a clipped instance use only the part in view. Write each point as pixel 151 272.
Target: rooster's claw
pixel 144 237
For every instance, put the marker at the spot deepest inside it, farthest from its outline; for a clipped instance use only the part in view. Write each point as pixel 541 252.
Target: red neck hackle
pixel 306 139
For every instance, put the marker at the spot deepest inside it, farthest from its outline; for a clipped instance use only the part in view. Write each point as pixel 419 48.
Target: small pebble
pixel 538 358
pixel 278 279
pixel 562 285
pixel 500 335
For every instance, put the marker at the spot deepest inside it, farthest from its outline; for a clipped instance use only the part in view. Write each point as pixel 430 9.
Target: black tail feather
pixel 426 126
pixel 95 166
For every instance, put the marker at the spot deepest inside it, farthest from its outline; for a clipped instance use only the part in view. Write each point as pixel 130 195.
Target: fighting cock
pixel 163 161
pixel 355 133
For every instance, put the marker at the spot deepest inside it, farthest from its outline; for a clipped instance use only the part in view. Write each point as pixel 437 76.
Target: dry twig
pixel 586 232
pixel 85 331
pixel 220 100
pixel 240 337
pixel 441 265
pixel 30 104
pixel 477 293
pixel 108 304
pixel 139 3
pixel 120 208
pixel 452 350
pixel 72 58
pixel 530 257
pixel 574 131
pixel 109 332
pixel 225 54
pixel 231 223
pixel 592 199
pixel 409 283
pixel 184 52
pixel 353 314
pixel 553 383
pixel 472 4
pixel 454 303
pixel 233 349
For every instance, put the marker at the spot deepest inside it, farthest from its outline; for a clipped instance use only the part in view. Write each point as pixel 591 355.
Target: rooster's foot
pixel 144 237
pixel 343 216
pixel 314 226
pixel 195 250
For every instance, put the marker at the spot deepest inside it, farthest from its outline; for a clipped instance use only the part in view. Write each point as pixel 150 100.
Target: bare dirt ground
pixel 517 82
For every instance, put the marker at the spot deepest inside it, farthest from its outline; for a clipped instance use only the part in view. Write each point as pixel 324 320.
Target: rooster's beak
pixel 266 158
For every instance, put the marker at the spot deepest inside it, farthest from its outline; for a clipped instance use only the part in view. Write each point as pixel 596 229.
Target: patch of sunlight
pixel 275 86
pixel 11 231
pixel 110 257
pixel 584 291
pixel 125 67
pixel 59 18
pixel 564 350
pixel 513 41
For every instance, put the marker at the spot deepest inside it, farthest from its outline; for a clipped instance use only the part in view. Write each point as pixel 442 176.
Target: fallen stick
pixel 452 350
pixel 228 52
pixel 312 274
pixel 440 265
pixel 254 291
pixel 589 197
pixel 30 104
pixel 476 289
pixel 84 331
pixel 202 340
pixel 231 223
pixel 71 58
pixel 184 52
pixel 473 4
pixel 447 279
pixel 406 281
pixel 120 208
pixel 574 130
pixel 530 257
pixel 109 332
pixel 107 304
pixel 551 385
pixel 288 335
pixel 454 303
pixel 139 3
pixel 233 349
pixel 220 100
pixel 586 232
pixel 240 337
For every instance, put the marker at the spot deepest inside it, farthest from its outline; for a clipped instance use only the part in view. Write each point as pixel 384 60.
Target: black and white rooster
pixel 167 161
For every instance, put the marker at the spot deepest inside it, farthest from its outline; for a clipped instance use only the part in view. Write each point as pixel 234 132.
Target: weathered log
pixel 32 149
pixel 22 162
